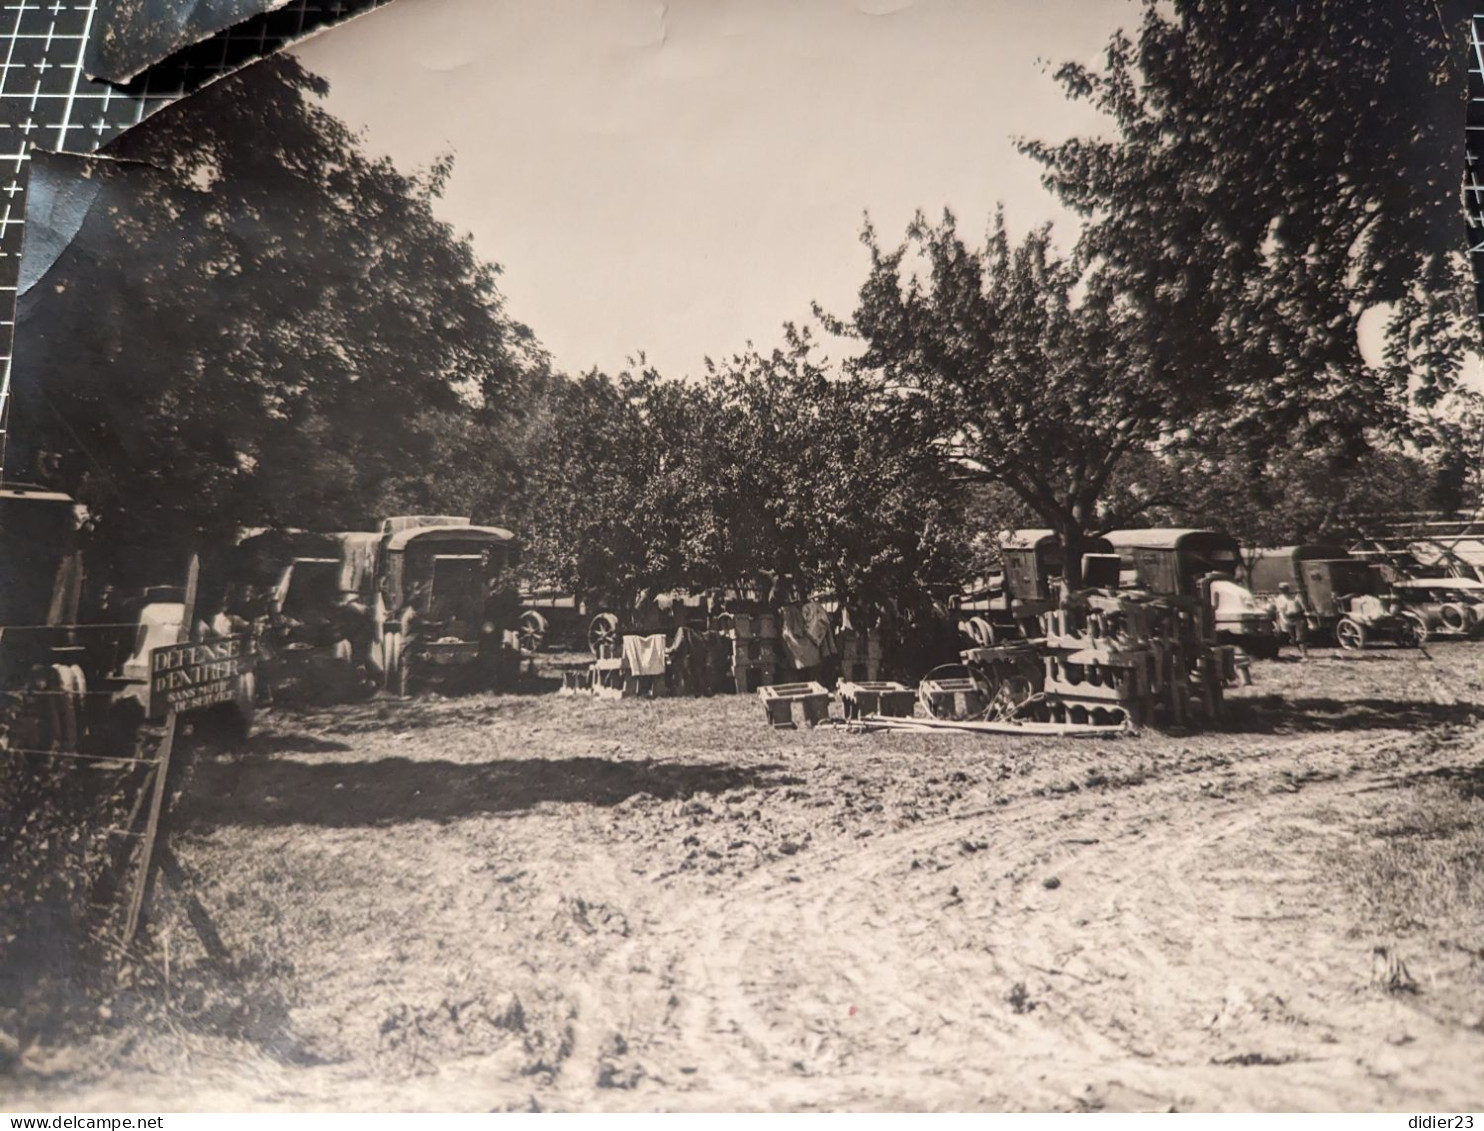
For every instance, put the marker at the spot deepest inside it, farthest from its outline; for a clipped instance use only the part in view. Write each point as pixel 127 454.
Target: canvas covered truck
pixel 1034 563
pixel 75 653
pixel 447 609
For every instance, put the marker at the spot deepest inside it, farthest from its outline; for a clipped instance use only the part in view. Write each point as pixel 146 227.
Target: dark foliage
pixel 259 325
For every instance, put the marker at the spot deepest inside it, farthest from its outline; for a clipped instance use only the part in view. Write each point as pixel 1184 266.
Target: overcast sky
pixel 681 178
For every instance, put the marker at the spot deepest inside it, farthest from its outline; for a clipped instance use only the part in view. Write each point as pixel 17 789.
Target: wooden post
pixel 162 768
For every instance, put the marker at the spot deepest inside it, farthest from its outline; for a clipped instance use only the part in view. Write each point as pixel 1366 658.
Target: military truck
pixel 447 608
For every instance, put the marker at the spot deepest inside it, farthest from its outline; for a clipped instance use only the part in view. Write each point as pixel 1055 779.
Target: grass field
pixel 505 902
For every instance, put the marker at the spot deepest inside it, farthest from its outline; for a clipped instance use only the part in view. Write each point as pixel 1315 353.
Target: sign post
pixel 189 675
pixel 162 765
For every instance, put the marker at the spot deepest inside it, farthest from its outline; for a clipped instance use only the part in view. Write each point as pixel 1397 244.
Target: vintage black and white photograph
pixel 742 555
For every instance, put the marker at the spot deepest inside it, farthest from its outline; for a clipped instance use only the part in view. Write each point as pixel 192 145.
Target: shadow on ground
pixel 394 790
pixel 1275 714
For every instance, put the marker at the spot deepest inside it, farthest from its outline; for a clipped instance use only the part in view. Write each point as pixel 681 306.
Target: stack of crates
pixel 860 655
pixel 1110 658
pixel 754 651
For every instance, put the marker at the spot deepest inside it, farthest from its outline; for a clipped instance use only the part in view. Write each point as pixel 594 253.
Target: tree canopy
pixel 258 324
pixel 1013 363
pixel 771 466
pixel 1273 172
pixel 1271 175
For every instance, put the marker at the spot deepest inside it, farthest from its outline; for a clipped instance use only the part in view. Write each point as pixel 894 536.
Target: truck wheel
pixel 1350 634
pixel 603 636
pixel 532 633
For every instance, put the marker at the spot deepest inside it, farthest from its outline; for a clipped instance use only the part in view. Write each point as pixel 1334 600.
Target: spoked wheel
pixel 1411 633
pixel 602 636
pixel 1350 634
pixel 532 632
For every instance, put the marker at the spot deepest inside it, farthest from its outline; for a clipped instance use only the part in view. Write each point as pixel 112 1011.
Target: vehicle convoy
pixel 1347 599
pixel 445 600
pixel 1175 562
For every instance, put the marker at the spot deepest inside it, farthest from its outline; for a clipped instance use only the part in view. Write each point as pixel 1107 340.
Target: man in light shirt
pixel 1292 618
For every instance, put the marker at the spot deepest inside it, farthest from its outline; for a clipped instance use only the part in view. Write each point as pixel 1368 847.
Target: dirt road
pixel 513 902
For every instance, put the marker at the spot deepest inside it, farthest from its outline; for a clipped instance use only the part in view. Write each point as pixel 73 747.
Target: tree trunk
pixel 1072 540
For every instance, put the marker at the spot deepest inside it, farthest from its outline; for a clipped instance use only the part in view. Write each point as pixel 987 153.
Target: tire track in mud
pixel 1185 955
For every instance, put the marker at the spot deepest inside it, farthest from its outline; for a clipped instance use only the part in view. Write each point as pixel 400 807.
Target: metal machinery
pixel 1005 668
pixel 65 684
pixel 447 603
pixel 1444 606
pixel 551 615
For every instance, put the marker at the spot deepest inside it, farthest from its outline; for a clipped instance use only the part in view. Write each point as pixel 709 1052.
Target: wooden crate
pixel 607 677
pixel 958 697
pixel 877 698
pixel 780 701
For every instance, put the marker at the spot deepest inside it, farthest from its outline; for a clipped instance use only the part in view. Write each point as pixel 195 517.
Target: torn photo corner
pixel 129 35
pixel 61 192
pixel 126 38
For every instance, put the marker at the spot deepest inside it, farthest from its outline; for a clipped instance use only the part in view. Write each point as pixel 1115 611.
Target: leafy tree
pixel 594 452
pixel 1014 364
pixel 258 324
pixel 1273 172
pixel 1295 497
pixel 844 496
